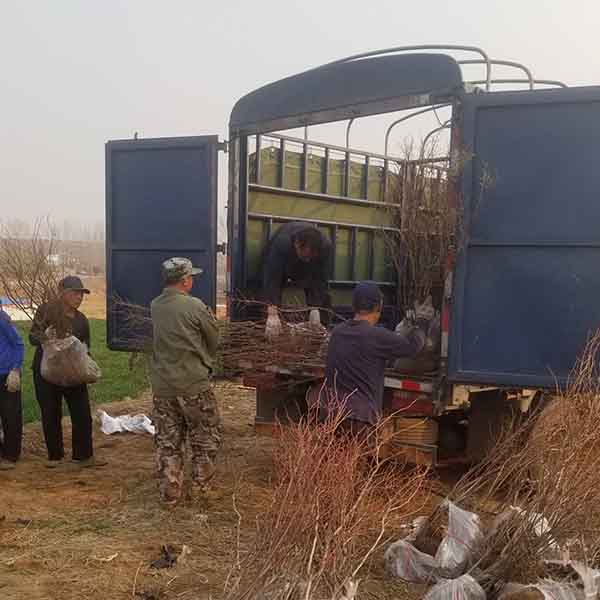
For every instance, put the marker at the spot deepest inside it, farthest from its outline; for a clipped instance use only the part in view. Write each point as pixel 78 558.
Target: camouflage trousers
pixel 192 419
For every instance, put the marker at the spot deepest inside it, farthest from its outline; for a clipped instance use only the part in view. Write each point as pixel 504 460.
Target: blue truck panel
pixel 527 285
pixel 161 201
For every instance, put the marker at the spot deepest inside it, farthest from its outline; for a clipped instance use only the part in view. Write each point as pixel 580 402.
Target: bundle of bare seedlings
pixel 424 214
pixel 243 345
pixel 537 489
pixel 333 507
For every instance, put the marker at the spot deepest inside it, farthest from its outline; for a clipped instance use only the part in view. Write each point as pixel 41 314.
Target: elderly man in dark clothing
pixel 298 255
pixel 358 352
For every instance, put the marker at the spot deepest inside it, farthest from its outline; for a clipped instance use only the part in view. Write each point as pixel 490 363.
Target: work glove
pixel 314 317
pixel 273 328
pixel 424 312
pixel 13 381
pixel 314 320
pixel 405 326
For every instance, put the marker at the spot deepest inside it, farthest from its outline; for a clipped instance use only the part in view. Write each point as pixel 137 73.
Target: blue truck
pixel 519 297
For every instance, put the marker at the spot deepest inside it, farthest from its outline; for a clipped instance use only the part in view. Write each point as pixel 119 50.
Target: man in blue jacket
pixel 359 351
pixel 12 352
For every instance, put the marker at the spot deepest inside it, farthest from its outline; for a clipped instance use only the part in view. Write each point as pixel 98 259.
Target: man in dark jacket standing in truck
pixel 185 408
pixel 358 352
pixel 297 255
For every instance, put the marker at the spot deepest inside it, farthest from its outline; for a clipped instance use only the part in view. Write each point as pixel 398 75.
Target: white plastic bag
pixel 453 556
pixel 557 590
pixel 550 590
pixel 590 578
pixel 403 560
pixel 66 362
pixel 539 523
pixel 125 423
pixel 554 590
pixel 464 537
pixel 463 588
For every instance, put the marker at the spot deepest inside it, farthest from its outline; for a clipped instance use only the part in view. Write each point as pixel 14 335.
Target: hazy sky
pixel 76 73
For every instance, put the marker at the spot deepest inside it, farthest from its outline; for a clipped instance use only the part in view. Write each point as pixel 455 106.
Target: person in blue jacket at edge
pixel 12 352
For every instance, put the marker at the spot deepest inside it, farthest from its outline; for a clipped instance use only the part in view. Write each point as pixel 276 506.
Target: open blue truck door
pixel 161 201
pixel 527 288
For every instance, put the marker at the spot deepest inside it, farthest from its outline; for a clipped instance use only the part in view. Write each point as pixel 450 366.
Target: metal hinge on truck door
pixel 222 247
pixel 223 146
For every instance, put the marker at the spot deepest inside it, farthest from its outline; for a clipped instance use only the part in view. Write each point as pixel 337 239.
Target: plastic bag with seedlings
pixel 463 588
pixel 546 590
pixel 464 537
pixel 442 546
pixel 404 560
pixel 565 580
pixel 66 362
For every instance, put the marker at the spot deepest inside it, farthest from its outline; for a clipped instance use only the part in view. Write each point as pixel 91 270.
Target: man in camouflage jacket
pixel 185 408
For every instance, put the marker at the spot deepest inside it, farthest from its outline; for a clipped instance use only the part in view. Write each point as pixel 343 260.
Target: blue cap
pixel 366 296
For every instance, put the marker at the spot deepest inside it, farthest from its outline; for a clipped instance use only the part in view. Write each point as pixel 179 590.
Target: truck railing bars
pixel 438 164
pixel 351 230
pixel 505 63
pixel 445 125
pixel 397 49
pixel 334 227
pixel 485 60
pixel 406 118
pixel 344 149
pixel 516 81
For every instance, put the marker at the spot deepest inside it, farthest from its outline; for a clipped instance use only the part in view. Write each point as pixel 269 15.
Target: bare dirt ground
pixel 93 533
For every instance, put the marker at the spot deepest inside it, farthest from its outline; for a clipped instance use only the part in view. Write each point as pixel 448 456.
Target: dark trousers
pixel 49 397
pixel 11 415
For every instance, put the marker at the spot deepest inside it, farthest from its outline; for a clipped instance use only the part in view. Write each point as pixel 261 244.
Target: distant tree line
pixel 69 230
